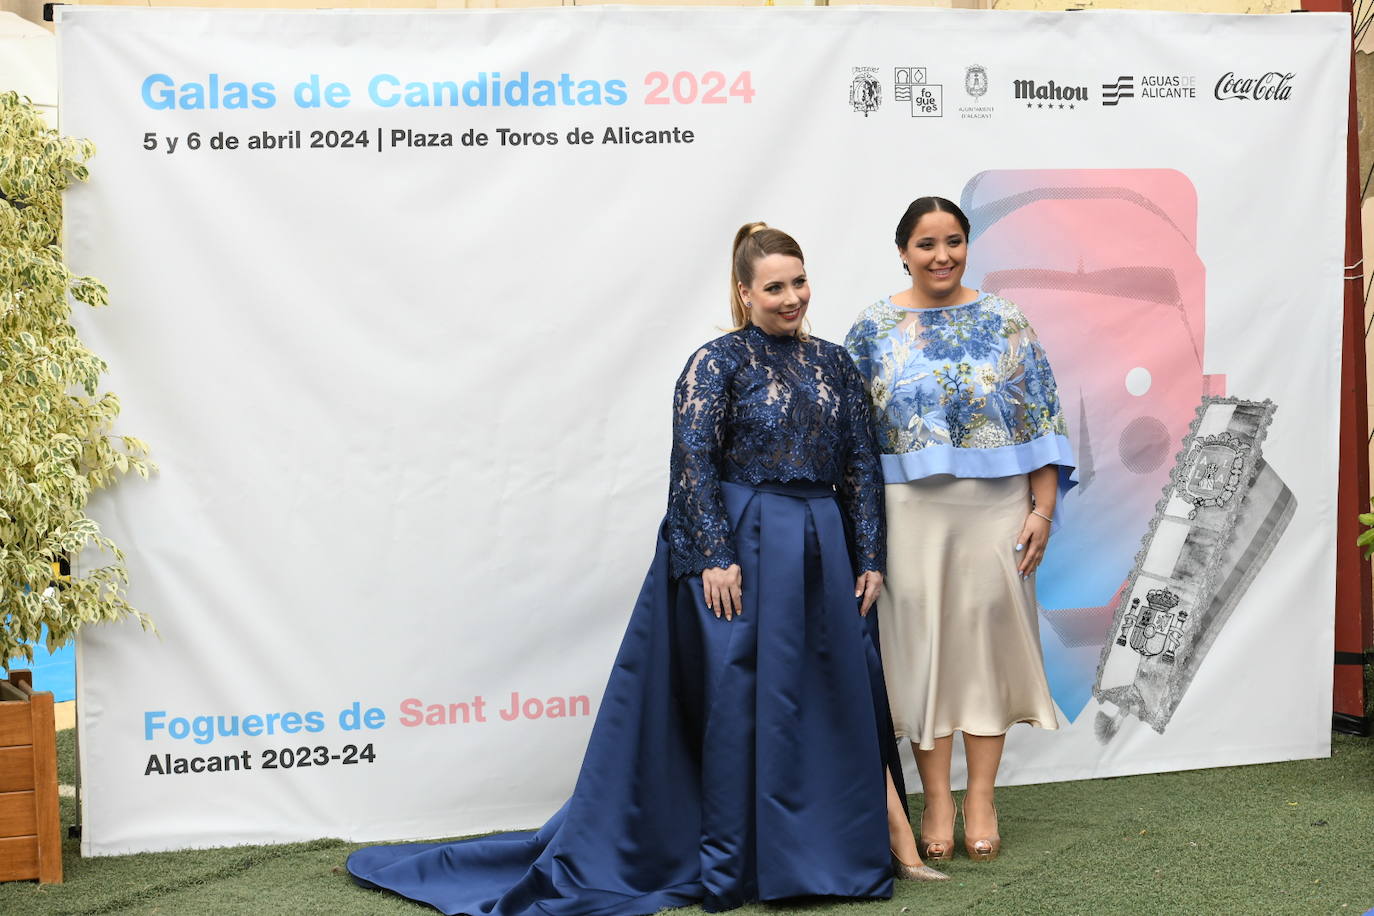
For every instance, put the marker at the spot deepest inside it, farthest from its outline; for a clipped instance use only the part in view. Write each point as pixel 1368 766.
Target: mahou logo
pixel 1271 87
pixel 1049 94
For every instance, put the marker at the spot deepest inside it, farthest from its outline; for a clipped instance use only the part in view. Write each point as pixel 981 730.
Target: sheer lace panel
pixel 753 408
pixel 971 376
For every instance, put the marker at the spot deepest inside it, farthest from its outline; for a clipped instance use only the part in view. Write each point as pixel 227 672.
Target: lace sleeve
pixel 1043 414
pixel 1034 409
pixel 861 490
pixel 856 342
pixel 698 527
pixel 859 343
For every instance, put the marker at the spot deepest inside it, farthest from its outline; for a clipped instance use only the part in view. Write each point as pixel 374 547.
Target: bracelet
pixel 1043 515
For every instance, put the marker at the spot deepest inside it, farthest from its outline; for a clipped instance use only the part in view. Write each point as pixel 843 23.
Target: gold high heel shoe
pixel 982 849
pixel 904 872
pixel 939 850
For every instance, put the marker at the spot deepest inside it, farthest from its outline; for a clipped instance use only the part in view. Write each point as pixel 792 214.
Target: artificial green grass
pixel 1277 838
pixel 66 757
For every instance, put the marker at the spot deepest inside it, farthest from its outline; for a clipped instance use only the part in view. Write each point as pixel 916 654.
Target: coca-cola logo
pixel 1271 87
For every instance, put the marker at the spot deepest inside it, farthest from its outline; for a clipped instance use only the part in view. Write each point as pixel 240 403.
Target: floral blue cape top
pixel 963 390
pixel 752 408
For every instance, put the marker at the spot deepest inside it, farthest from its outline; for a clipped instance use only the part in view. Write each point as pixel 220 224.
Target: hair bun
pixel 747 230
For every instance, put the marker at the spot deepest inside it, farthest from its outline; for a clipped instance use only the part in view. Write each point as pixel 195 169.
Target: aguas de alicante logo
pixel 1113 93
pixel 1273 86
pixel 1050 95
pixel 1152 86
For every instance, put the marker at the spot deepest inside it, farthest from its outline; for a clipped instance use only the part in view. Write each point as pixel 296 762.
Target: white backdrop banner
pixel 399 300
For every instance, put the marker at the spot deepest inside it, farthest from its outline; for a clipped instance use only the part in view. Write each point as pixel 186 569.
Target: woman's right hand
pixel 721 589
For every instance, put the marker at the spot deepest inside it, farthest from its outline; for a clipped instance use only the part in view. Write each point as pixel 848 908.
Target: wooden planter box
pixel 30 837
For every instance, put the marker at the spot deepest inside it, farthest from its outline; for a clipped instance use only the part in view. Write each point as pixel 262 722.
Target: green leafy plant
pixel 55 440
pixel 1366 538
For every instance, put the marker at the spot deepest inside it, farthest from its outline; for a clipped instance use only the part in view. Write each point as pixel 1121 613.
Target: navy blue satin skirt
pixel 730 761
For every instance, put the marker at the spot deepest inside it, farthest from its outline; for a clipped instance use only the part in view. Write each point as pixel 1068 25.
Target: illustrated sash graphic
pixel 1222 513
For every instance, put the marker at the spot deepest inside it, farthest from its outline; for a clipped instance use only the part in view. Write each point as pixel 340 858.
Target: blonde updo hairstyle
pixel 753 242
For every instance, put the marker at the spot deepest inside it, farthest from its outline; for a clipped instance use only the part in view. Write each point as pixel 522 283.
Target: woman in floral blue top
pixel 975 457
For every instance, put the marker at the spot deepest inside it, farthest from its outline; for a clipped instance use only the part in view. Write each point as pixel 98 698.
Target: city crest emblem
pixel 976 80
pixel 1212 471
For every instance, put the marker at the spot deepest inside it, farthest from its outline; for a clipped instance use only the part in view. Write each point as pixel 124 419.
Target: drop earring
pixel 906 269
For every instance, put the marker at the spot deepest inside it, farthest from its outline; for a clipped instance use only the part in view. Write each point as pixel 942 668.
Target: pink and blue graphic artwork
pixel 1104 263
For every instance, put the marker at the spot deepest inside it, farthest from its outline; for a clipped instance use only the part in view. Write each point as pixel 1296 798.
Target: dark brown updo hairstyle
pixel 753 242
pixel 906 226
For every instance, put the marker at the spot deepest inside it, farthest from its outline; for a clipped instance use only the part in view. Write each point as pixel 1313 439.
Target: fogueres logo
pixel 1049 94
pixel 927 99
pixel 1269 87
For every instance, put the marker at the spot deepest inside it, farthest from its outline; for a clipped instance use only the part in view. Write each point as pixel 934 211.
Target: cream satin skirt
pixel 960 641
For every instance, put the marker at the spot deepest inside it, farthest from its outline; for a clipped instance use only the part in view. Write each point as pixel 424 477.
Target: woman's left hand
pixel 867 587
pixel 1030 544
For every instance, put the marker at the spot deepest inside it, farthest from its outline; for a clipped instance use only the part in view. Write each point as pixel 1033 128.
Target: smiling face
pixel 935 255
pixel 778 295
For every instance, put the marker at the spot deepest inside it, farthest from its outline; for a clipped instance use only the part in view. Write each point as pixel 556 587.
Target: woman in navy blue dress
pixel 743 748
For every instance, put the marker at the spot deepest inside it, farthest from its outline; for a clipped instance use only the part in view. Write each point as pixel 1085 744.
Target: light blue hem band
pixel 1003 461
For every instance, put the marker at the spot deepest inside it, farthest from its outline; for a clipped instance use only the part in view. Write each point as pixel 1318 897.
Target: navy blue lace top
pixel 753 408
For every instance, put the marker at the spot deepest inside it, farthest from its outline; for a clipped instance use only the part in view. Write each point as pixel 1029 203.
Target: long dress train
pixel 730 760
